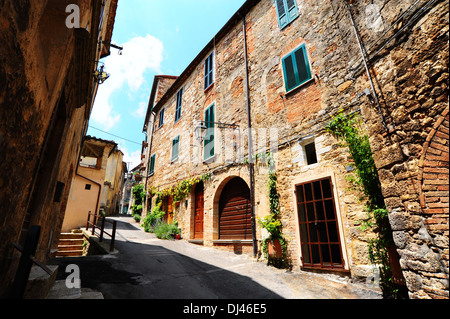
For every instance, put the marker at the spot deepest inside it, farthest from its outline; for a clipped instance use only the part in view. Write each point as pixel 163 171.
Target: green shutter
pixel 282 16
pixel 292 9
pixel 209 71
pixel 179 105
pixel 287 11
pixel 152 164
pixel 175 148
pixel 208 148
pixel 296 68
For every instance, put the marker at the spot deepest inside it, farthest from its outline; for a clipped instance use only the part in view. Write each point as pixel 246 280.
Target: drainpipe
pixel 374 94
pixel 250 146
pixel 151 120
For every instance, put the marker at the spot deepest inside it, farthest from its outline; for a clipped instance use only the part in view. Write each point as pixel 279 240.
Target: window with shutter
pixel 161 118
pixel 208 147
pixel 209 70
pixel 287 12
pixel 179 104
pixel 175 148
pixel 296 68
pixel 152 164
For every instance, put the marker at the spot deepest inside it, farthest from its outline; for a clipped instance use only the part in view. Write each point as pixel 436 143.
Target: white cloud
pixel 141 111
pixel 140 54
pixel 132 159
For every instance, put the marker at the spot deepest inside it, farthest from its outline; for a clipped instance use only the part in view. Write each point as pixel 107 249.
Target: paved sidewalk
pixel 147 267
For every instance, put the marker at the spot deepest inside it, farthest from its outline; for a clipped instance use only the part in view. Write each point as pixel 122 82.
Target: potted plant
pixel 272 245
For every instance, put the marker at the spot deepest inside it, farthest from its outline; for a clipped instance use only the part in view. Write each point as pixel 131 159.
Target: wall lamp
pixel 201 128
pixel 100 74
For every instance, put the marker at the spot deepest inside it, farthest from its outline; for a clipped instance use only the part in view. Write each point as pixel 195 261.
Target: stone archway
pixel 231 195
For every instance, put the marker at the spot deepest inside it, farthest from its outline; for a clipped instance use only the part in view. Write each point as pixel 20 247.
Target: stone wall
pixel 410 74
pixel 45 85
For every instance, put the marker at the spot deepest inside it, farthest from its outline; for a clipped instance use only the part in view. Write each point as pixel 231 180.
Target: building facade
pixel 47 89
pixel 275 75
pixel 97 184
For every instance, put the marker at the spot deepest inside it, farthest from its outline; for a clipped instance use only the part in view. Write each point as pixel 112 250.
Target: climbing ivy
pixel 181 190
pixel 272 222
pixel 348 128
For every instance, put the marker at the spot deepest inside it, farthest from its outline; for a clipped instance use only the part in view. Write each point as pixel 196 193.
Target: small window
pixel 209 138
pixel 179 104
pixel 209 71
pixel 310 152
pixel 296 68
pixel 161 118
pixel 175 148
pixel 88 187
pixel 152 164
pixel 287 11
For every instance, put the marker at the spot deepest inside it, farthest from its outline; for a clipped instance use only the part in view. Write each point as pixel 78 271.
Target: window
pixel 310 152
pixel 152 164
pixel 287 12
pixel 87 187
pixel 161 118
pixel 209 137
pixel 175 148
pixel 209 70
pixel 179 103
pixel 296 68
pixel 319 231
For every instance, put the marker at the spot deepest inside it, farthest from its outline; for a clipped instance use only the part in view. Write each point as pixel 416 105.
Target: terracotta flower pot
pixel 275 250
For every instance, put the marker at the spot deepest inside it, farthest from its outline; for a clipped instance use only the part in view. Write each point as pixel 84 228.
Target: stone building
pixel 50 50
pixel 97 184
pixel 283 69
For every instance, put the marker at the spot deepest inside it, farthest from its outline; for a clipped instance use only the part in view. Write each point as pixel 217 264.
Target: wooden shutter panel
pixel 209 138
pixel 282 16
pixel 303 69
pixel 289 73
pixel 175 148
pixel 292 9
pixel 152 164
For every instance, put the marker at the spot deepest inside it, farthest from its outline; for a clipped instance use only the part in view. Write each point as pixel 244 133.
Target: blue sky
pixel 159 37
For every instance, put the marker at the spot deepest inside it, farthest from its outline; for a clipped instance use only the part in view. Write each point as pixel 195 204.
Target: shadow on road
pixel 146 271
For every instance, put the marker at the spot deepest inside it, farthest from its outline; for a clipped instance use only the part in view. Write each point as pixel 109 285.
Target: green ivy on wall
pixel 365 179
pixel 272 222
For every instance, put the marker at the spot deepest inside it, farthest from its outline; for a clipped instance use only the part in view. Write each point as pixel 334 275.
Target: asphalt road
pixel 149 268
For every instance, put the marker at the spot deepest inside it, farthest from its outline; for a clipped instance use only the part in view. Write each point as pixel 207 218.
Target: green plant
pixel 271 222
pixel 166 231
pixel 348 128
pixel 139 195
pixel 154 218
pixel 137 217
pixel 181 190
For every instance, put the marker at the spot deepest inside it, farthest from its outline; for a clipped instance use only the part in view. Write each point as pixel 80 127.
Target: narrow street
pixel 146 267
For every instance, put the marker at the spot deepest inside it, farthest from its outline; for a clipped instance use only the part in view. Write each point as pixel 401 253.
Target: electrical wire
pixel 115 135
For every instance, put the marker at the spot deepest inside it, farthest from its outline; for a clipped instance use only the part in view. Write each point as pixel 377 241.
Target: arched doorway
pixel 235 211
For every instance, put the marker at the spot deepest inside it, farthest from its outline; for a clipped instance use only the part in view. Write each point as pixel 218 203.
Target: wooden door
pixel 235 211
pixel 319 231
pixel 170 211
pixel 199 211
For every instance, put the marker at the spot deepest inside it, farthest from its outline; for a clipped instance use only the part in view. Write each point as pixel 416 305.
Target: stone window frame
pixel 303 161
